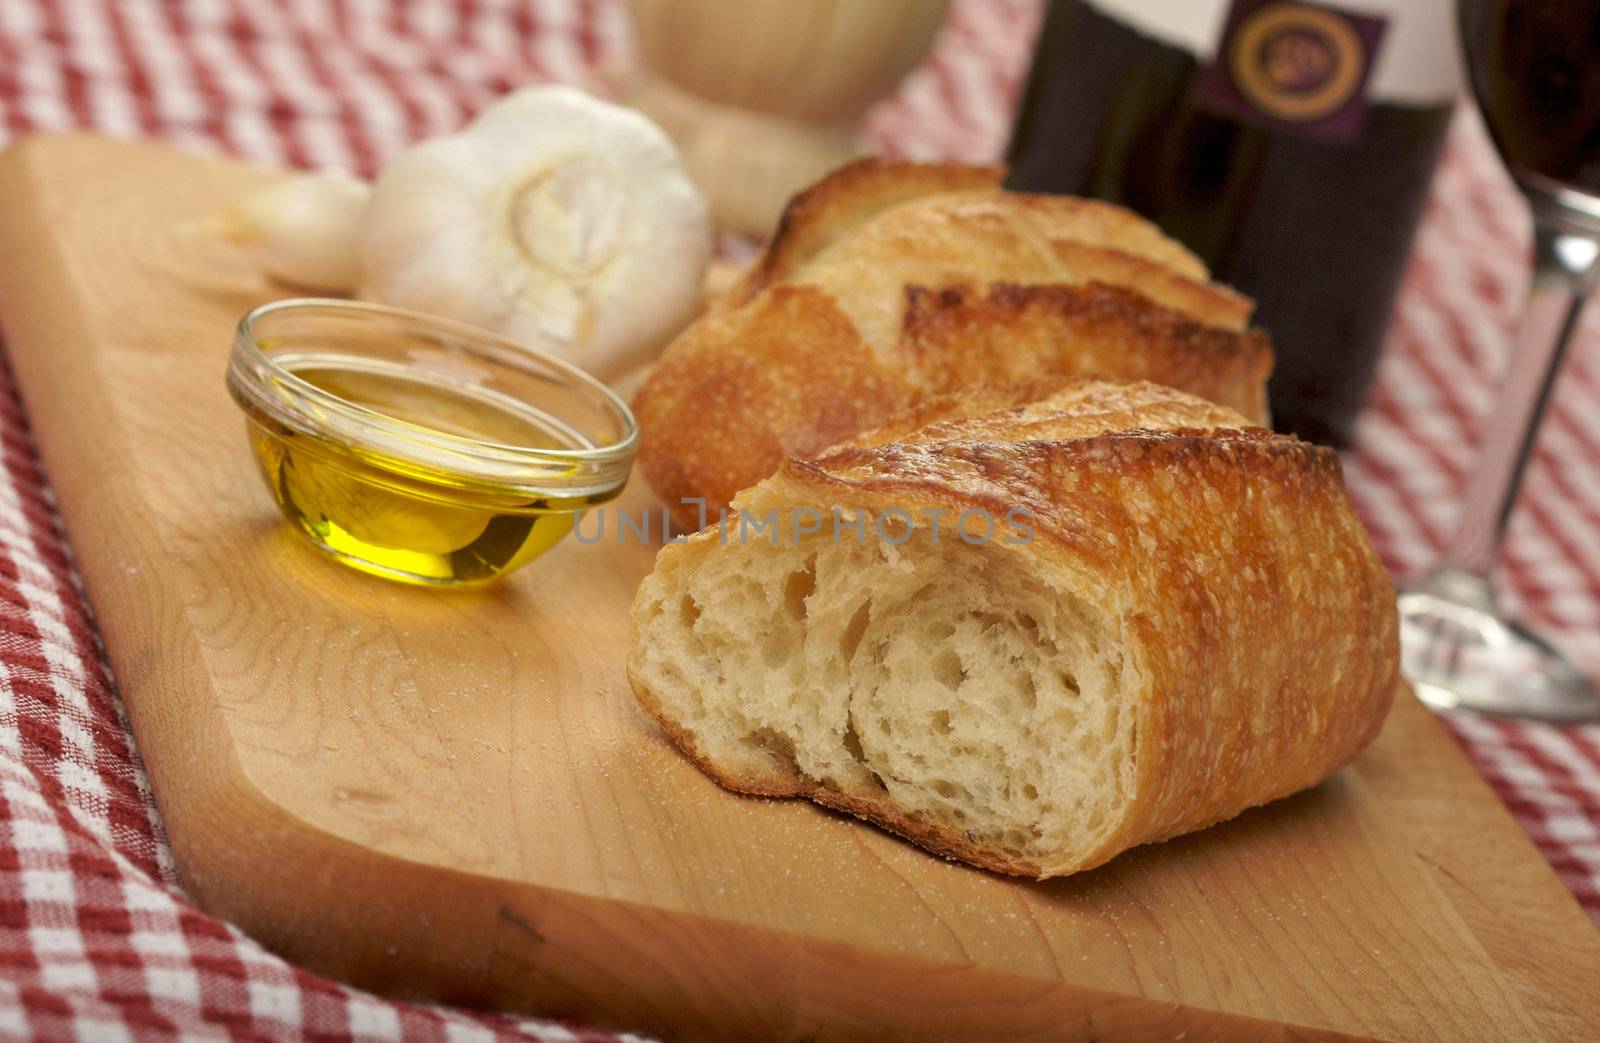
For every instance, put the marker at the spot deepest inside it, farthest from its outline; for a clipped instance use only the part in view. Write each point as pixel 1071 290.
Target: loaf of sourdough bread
pixel 888 283
pixel 1174 617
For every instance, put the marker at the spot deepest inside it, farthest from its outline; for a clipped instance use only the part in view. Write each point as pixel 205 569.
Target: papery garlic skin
pixel 304 230
pixel 555 219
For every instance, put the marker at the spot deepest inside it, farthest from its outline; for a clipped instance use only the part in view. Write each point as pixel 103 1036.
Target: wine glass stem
pixel 1566 263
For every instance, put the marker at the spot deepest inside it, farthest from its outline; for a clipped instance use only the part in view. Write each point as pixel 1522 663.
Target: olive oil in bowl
pixel 423 458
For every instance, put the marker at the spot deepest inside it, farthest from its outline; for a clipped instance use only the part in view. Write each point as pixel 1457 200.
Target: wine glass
pixel 1535 71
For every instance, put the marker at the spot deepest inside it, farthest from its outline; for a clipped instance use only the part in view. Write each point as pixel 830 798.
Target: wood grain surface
pixel 453 796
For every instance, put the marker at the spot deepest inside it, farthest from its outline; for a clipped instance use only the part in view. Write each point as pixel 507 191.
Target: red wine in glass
pixel 1535 69
pixel 1534 66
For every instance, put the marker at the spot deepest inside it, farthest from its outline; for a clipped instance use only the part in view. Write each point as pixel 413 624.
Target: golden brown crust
pixel 887 283
pixel 847 197
pixel 1063 410
pixel 1070 219
pixel 718 420
pixel 1209 303
pixel 958 337
pixel 964 404
pixel 1256 610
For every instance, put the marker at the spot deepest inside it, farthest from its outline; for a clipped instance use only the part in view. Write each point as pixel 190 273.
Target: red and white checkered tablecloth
pixel 97 939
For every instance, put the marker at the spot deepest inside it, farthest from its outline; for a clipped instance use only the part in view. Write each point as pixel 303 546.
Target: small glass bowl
pixel 418 448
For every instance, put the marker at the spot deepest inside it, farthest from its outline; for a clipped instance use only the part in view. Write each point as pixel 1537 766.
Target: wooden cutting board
pixel 452 795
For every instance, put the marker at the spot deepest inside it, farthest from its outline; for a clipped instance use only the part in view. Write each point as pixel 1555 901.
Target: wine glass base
pixel 1459 652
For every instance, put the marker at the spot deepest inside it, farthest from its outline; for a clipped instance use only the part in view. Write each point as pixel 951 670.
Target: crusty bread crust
pixel 886 283
pixel 849 196
pixel 1064 411
pixel 1259 612
pixel 959 337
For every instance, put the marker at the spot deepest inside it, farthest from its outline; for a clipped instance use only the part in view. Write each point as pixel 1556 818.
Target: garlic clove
pixel 554 218
pixel 423 245
pixel 303 230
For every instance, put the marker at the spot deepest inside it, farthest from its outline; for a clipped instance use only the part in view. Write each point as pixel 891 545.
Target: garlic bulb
pixel 303 230
pixel 555 219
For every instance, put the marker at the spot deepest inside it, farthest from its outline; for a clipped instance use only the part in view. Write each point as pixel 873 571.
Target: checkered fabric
pixel 97 939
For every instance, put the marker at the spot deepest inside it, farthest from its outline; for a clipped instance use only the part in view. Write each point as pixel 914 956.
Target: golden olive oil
pixel 395 518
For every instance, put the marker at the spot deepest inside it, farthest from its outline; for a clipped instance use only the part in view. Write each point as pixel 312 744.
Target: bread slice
pixel 1196 626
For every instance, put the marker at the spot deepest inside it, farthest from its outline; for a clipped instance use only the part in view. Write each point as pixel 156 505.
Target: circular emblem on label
pixel 1295 62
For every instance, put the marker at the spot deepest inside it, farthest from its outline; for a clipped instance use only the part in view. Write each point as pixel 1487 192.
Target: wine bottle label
pixel 1294 66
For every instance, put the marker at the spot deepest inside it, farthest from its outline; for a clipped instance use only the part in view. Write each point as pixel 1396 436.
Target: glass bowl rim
pixel 251 372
